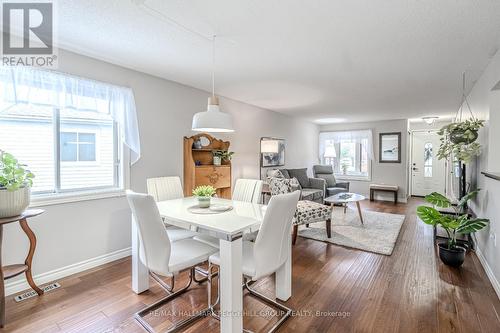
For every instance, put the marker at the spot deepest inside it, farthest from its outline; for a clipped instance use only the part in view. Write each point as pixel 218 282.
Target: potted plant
pixel 344 167
pixel 15 186
pixel 456 223
pixel 204 194
pixel 459 139
pixel 223 156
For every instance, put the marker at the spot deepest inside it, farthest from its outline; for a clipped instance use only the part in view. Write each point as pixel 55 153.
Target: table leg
pixel 2 287
pixel 231 292
pixel 140 273
pixel 283 283
pixel 359 212
pixel 29 258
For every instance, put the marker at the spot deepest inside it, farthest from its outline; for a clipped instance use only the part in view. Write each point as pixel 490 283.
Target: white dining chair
pixel 163 257
pixel 169 188
pixel 248 190
pixel 269 251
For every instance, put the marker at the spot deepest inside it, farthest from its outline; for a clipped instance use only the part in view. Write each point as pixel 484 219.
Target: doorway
pixel 428 173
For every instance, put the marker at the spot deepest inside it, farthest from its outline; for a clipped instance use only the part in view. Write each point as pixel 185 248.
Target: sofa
pixel 332 186
pixel 312 189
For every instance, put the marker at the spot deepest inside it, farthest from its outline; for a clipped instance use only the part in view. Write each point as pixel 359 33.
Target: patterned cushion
pixel 279 185
pixel 310 212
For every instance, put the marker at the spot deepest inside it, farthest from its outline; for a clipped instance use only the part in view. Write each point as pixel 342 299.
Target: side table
pixel 10 271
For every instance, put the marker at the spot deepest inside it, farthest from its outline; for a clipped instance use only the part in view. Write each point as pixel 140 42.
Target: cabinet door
pixel 218 177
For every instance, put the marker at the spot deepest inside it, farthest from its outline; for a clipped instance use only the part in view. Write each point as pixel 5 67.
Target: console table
pixel 10 271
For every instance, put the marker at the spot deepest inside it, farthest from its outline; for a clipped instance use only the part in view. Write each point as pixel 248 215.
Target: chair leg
pixel 177 326
pixel 168 288
pixel 307 225
pixel 329 228
pixel 295 233
pixel 270 301
pixel 210 305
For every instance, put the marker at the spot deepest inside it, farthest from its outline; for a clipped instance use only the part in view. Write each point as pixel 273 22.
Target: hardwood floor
pixel 335 289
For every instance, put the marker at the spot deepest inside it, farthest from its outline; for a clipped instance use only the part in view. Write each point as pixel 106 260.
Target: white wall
pixel 485 104
pixel 387 173
pixel 75 232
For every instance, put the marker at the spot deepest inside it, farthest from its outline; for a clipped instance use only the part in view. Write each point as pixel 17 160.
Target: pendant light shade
pixel 212 120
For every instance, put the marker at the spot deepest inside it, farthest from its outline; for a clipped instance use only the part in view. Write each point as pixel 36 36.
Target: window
pixel 349 153
pixel 67 150
pixel 428 160
pixel 77 147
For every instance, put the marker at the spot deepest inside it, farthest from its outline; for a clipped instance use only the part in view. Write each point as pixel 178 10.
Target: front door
pixel 427 172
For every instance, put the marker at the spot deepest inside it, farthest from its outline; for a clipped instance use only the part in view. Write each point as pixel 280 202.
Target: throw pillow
pixel 301 175
pixel 295 184
pixel 279 186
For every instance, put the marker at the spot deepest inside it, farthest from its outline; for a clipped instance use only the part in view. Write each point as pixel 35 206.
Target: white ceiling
pixel 355 60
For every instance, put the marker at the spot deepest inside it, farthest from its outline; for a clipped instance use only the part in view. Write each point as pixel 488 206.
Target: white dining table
pixel 228 227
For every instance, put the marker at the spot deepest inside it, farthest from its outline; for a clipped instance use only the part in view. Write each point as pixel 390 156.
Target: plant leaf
pixel 429 215
pixel 438 200
pixel 468 226
pixel 471 195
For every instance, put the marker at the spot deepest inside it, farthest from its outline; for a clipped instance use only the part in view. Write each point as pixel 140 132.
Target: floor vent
pixel 33 293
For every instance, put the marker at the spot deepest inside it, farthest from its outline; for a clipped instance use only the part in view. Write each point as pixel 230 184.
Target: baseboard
pixel 20 285
pixel 487 269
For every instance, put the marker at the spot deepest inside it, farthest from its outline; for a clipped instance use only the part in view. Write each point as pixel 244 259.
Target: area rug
pixel 378 234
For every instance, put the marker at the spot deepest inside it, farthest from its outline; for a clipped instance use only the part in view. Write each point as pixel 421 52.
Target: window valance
pixel 47 88
pixel 364 137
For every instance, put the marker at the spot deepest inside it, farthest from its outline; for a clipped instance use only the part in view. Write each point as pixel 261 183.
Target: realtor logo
pixel 28 34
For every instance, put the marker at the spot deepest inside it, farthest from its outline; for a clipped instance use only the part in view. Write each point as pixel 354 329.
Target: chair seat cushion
pixel 311 194
pixel 385 187
pixel 175 234
pixel 186 253
pixel 248 262
pixel 210 240
pixel 310 212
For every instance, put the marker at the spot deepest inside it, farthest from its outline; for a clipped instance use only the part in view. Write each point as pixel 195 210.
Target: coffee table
pixel 344 199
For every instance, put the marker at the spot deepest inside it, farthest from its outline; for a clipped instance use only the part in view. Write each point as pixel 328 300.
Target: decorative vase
pixel 197 144
pixel 204 202
pixel 217 160
pixel 452 257
pixel 13 203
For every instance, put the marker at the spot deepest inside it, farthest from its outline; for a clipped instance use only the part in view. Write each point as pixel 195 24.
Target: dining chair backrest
pixel 248 190
pixel 165 188
pixel 154 242
pixel 273 239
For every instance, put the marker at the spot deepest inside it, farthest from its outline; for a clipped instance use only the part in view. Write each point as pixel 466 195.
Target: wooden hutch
pixel 199 168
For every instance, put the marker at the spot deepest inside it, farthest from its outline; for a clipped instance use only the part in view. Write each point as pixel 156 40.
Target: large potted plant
pixel 459 139
pixel 15 186
pixel 458 222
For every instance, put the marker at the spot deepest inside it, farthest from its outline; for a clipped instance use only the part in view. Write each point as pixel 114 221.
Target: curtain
pixel 364 137
pixel 48 88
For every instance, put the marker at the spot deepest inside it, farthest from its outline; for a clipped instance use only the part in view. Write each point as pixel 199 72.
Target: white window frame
pixel 121 174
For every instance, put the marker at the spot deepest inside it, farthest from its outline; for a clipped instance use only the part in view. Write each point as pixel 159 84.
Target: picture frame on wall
pixel 390 147
pixel 272 152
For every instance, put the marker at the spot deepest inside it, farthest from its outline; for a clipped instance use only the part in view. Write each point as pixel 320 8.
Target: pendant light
pixel 212 120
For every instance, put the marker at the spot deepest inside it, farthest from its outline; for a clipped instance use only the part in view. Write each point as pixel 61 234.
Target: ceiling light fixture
pixel 212 120
pixel 430 120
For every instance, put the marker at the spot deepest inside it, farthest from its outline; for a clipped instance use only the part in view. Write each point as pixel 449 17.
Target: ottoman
pixel 310 212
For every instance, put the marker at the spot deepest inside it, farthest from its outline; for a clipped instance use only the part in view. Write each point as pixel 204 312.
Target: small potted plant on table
pixel 458 222
pixel 204 193
pixel 223 156
pixel 15 186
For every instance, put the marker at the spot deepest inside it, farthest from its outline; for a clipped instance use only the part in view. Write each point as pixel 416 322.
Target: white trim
pixel 488 270
pixel 20 285
pixel 61 198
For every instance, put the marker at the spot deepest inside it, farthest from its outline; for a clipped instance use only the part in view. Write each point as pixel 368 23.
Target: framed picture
pixel 389 147
pixel 272 152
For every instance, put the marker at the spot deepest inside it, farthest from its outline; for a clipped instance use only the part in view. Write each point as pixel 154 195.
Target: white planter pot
pixel 217 160
pixel 204 202
pixel 13 203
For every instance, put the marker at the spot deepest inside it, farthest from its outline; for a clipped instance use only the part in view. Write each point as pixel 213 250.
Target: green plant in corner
pixel 204 191
pixel 457 223
pixel 13 175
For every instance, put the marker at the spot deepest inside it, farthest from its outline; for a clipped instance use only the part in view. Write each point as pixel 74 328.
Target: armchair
pixel 312 189
pixel 332 185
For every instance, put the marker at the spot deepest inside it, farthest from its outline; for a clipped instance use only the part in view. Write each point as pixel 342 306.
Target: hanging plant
pixel 459 139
